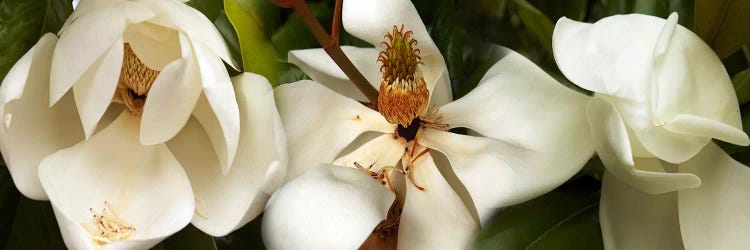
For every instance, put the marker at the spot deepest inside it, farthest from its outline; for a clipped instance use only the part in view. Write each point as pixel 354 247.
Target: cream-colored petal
pixel 612 144
pixel 217 108
pixel 328 207
pixel 87 39
pixel 435 218
pixel 631 219
pixel 380 152
pixel 171 99
pixel 31 129
pixel 320 123
pixel 155 45
pixel 145 185
pixel 713 216
pixel 227 201
pixel 319 66
pixel 94 90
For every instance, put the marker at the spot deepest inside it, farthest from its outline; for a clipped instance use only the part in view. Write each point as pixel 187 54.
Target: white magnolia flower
pixel 165 137
pixel 534 137
pixel 661 95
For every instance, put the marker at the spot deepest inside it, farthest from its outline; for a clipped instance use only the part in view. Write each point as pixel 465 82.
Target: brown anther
pixel 135 81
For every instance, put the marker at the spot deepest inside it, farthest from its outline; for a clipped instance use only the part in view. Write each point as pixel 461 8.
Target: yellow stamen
pixel 135 81
pixel 108 227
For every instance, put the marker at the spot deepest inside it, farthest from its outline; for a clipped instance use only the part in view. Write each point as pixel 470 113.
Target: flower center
pixel 409 132
pixel 403 91
pixel 135 81
pixel 108 227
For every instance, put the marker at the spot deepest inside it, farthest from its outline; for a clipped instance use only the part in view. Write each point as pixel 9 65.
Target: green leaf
pixel 741 82
pixel 555 9
pixel 35 227
pixel 293 34
pixel 8 204
pixel 22 22
pixel 230 37
pixel 567 218
pixel 189 238
pixel 258 53
pixel 723 24
pixel 536 22
pixel 210 8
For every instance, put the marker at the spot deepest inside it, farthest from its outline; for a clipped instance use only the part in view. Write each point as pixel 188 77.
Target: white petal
pixel 155 45
pixel 714 215
pixel 320 123
pixel 380 152
pixel 94 90
pixel 193 24
pixel 227 201
pixel 506 107
pixel 631 219
pixel 217 108
pixel 612 145
pixel 328 207
pixel 87 39
pixel 320 68
pixel 145 184
pixel 171 99
pixel 31 130
pixel 435 218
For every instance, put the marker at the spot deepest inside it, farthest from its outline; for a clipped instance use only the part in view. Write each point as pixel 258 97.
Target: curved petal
pixel 612 144
pixel 320 123
pixel 631 219
pixel 192 23
pixel 435 218
pixel 155 45
pixel 95 88
pixel 379 152
pixel 144 184
pixel 713 215
pixel 217 108
pixel 328 207
pixel 171 99
pixel 227 201
pixel 321 68
pixel 87 39
pixel 506 107
pixel 31 128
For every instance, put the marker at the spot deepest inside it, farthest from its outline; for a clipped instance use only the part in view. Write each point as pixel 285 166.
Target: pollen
pixel 135 81
pixel 403 91
pixel 108 227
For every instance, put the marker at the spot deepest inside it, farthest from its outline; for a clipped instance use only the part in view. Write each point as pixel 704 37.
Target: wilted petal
pixel 714 214
pixel 320 123
pixel 145 184
pixel 328 207
pixel 506 106
pixel 612 144
pixel 171 99
pixel 319 66
pixel 31 130
pixel 631 219
pixel 87 39
pixel 227 201
pixel 217 108
pixel 94 90
pixel 436 217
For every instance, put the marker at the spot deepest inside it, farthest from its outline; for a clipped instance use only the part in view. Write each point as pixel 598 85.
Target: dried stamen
pixel 135 81
pixel 108 227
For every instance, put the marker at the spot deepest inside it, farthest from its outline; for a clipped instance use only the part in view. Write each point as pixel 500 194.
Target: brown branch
pixel 330 44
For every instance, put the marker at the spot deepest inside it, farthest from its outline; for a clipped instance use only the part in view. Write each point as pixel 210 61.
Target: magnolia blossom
pixel 661 95
pixel 165 137
pixel 359 175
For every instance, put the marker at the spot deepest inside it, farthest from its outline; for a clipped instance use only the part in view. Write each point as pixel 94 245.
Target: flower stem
pixel 330 44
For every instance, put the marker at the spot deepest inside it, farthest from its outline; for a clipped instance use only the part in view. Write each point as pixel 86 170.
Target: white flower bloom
pixel 164 138
pixel 661 95
pixel 534 138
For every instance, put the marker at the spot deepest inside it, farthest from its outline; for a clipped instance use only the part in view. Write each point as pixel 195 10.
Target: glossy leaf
pixel 35 227
pixel 293 34
pixel 258 53
pixel 22 22
pixel 210 8
pixel 230 37
pixel 538 23
pixel 723 24
pixel 567 218
pixel 741 82
pixel 555 9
